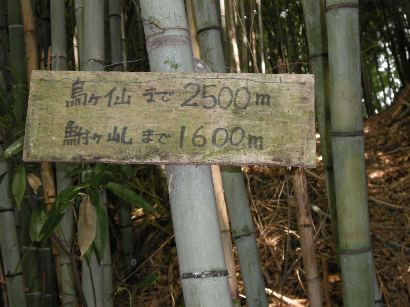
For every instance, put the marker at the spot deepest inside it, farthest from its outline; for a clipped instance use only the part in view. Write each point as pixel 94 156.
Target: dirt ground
pixel 155 279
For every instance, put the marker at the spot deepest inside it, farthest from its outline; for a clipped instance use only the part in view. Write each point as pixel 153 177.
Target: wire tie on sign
pixel 348 134
pixel 10 275
pixel 7 210
pixel 207 274
pixel 342 6
pixel 243 235
pixel 319 55
pixel 354 251
pixel 207 29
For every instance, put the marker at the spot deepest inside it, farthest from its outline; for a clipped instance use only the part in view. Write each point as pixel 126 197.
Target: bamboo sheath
pixel 348 152
pixel 200 254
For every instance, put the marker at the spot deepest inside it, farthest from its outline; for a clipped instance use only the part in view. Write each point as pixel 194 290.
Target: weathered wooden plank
pixel 176 118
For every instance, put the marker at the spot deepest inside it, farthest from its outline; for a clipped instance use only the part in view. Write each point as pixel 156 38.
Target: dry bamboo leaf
pixel 87 225
pixel 34 182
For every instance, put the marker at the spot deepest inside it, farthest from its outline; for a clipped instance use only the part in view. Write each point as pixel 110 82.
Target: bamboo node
pixel 208 29
pixel 342 6
pixel 354 251
pixel 348 134
pixel 319 55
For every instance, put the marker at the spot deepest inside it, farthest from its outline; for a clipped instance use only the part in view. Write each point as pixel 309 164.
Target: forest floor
pixel 155 280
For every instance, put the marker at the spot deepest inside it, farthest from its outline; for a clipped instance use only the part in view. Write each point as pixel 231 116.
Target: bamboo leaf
pixel 18 184
pixel 2 176
pixel 14 148
pixel 101 235
pixel 37 221
pixel 69 194
pixel 34 182
pixel 87 225
pixel 129 196
pixel 54 217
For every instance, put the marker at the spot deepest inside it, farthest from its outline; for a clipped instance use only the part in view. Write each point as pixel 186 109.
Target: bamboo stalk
pixel 225 233
pixel 9 245
pixel 307 238
pixel 36 295
pixel 4 47
pixel 315 21
pixel 243 43
pixel 17 61
pixel 348 152
pixel 65 232
pixel 114 9
pixel 191 191
pixel 79 24
pixel 232 178
pixel 261 42
pixel 234 62
pixel 92 60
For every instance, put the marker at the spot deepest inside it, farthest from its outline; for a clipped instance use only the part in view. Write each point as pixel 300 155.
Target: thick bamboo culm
pixel 65 232
pixel 232 178
pixel 192 198
pixel 348 152
pixel 216 174
pixel 315 21
pixel 307 238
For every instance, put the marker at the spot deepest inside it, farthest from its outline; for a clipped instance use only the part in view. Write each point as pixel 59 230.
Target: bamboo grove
pixel 66 228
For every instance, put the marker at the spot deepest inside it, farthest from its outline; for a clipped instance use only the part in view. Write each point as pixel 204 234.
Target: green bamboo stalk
pixel 315 21
pixel 348 152
pixel 115 35
pixel 232 177
pixel 4 47
pixel 234 62
pixel 79 24
pixel 117 59
pixel 17 61
pixel 65 232
pixel 192 196
pixel 9 244
pixel 92 60
pixel 127 236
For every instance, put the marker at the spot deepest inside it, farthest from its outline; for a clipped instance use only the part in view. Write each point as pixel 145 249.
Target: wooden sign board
pixel 171 118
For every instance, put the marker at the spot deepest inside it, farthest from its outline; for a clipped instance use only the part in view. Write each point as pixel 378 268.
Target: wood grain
pixel 271 120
